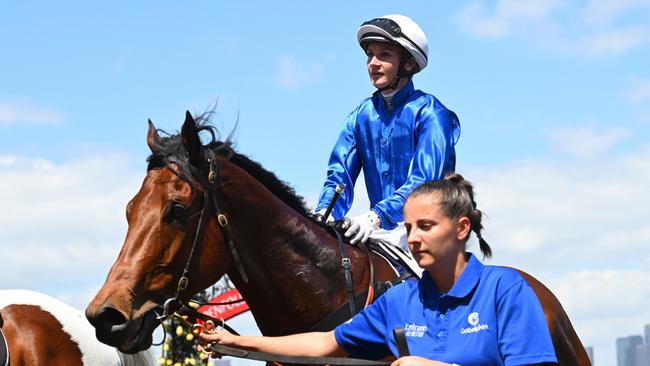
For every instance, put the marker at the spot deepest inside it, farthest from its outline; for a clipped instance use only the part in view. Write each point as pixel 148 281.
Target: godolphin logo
pixel 473 320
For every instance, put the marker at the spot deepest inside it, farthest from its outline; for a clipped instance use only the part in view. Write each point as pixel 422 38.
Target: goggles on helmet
pixel 391 27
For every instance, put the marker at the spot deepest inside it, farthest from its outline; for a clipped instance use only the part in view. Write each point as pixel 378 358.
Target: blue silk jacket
pixel 398 149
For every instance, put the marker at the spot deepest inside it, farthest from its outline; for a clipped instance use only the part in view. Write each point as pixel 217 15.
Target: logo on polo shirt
pixel 473 320
pixel 414 330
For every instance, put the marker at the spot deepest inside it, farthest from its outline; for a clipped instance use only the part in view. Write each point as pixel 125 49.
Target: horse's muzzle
pixel 115 329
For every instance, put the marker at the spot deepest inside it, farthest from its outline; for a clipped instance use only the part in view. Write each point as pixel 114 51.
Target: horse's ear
pixel 153 138
pixel 190 138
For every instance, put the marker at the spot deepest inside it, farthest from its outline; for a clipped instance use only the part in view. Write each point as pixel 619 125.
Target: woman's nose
pixel 412 237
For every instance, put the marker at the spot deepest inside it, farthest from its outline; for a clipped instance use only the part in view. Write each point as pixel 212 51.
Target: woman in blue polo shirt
pixel 460 312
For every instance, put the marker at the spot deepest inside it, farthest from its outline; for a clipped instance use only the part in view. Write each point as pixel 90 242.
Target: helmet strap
pixel 401 72
pixel 393 84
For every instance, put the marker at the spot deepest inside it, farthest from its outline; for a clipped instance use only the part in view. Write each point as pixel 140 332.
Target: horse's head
pixel 168 219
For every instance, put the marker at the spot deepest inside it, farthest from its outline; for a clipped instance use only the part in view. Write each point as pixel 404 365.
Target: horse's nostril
pixel 110 325
pixel 113 317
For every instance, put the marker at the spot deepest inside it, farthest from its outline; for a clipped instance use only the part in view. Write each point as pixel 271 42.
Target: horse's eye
pixel 176 214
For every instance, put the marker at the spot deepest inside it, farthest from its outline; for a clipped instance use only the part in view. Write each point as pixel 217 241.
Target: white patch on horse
pixel 74 323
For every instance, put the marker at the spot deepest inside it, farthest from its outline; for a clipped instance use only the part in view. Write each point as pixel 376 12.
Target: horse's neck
pixel 290 261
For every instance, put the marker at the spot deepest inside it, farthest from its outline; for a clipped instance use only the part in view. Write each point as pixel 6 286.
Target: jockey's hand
pixel 320 215
pixel 360 227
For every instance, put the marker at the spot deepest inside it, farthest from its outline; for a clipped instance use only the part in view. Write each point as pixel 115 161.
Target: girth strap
pixel 347 271
pixel 306 360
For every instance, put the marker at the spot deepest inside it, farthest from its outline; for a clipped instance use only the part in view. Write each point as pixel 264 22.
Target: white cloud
pixel 292 75
pixel 595 30
pixel 22 110
pixel 507 17
pixel 587 141
pixel 62 223
pixel 613 41
pixel 602 12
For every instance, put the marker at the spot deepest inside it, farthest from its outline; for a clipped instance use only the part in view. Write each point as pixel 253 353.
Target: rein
pixel 306 360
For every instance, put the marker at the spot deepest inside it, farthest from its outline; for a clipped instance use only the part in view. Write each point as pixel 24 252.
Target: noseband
pixel 210 194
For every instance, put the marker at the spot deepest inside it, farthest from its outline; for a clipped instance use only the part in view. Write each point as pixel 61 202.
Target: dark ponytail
pixel 456 197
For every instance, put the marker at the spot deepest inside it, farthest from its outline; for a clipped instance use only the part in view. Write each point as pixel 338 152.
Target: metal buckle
pixel 171 306
pixel 182 283
pixel 223 221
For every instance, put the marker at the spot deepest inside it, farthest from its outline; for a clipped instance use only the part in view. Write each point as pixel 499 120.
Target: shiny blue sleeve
pixel 437 131
pixel 344 167
pixel 524 337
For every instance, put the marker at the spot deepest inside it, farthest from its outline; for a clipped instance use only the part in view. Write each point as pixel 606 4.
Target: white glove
pixel 321 213
pixel 360 227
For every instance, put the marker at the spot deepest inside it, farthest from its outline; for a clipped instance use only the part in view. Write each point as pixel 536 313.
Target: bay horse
pixel 41 330
pixel 259 232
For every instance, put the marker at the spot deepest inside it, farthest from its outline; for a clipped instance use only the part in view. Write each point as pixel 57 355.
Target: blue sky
pixel 553 98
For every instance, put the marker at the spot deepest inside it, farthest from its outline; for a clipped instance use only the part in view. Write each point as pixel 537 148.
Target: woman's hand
pixel 417 361
pixel 218 336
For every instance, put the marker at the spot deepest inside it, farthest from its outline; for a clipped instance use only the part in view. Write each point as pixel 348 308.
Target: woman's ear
pixel 463 228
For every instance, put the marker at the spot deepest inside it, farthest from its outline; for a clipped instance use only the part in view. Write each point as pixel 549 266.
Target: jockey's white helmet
pixel 400 29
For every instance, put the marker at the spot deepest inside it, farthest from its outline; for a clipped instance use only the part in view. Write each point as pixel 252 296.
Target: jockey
pixel 401 137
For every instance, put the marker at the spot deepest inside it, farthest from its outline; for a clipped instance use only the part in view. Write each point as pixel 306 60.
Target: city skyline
pixel 634 350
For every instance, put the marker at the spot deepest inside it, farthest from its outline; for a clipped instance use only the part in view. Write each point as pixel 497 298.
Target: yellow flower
pixel 165 347
pixel 178 364
pixel 179 331
pixel 189 337
pixel 161 360
pixel 169 362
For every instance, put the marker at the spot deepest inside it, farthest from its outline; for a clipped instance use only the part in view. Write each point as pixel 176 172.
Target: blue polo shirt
pixel 490 316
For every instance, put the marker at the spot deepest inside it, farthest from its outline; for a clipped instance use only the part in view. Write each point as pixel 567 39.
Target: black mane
pixel 170 149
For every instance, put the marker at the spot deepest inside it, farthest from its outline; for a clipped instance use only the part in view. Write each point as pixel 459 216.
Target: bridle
pixel 212 195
